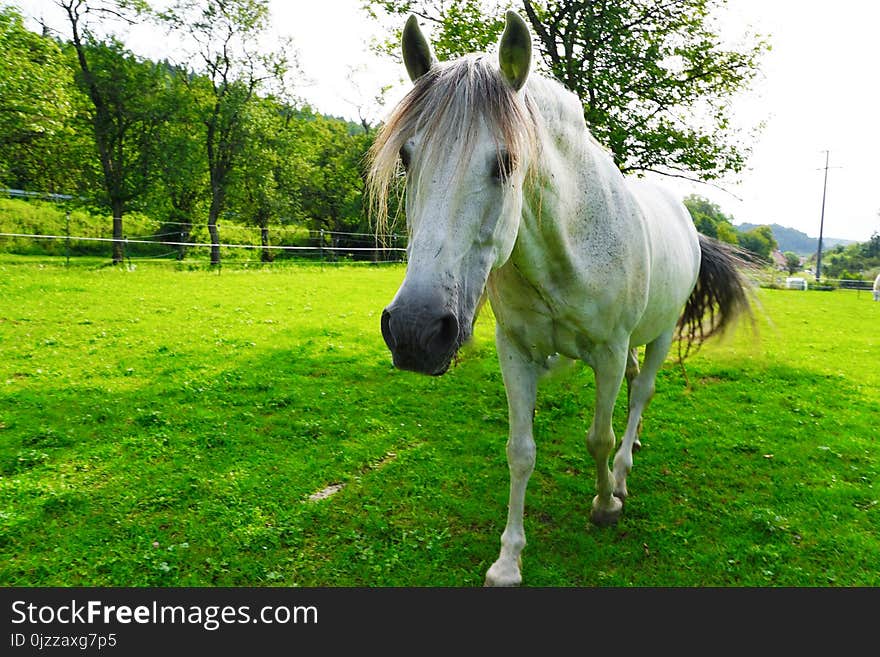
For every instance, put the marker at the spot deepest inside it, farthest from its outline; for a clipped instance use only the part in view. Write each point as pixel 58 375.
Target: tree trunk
pixel 266 252
pixel 185 231
pixel 213 213
pixel 215 241
pixel 118 246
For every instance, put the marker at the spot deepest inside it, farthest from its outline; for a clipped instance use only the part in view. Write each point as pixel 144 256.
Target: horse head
pixel 464 135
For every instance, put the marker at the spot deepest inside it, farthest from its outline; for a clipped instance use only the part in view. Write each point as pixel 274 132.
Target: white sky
pixel 819 89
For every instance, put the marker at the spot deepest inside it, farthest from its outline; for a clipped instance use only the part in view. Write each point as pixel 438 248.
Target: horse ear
pixel 515 51
pixel 416 51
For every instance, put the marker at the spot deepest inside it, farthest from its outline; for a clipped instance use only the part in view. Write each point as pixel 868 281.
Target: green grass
pixel 166 428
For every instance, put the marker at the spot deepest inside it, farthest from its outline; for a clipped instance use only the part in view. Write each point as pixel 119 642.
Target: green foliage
pixel 225 34
pixel 32 103
pixel 853 260
pixel 167 428
pixel 759 241
pixel 791 239
pixel 792 262
pixel 121 90
pixel 128 95
pixel 182 146
pixel 457 28
pixel 44 133
pixel 655 79
pixel 333 185
pixel 44 218
pixel 871 248
pixel 710 220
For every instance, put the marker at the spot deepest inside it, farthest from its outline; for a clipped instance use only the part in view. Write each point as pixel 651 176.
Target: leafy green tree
pixel 33 102
pixel 759 241
pixel 122 90
pixel 728 233
pixel 792 262
pixel 258 191
pixel 45 141
pixel 710 220
pixel 226 34
pixel 871 248
pixel 852 260
pixel 332 192
pixel 180 172
pixel 655 78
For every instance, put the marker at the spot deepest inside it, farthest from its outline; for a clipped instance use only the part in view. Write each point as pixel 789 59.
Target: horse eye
pixel 502 166
pixel 405 157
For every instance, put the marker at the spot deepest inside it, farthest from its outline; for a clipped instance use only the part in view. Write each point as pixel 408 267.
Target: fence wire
pixel 318 250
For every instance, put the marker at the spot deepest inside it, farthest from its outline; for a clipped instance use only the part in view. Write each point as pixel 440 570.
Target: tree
pixel 759 241
pixel 180 174
pixel 227 35
pixel 33 101
pixel 852 260
pixel 792 262
pixel 710 220
pixel 43 146
pixel 655 80
pixel 257 190
pixel 871 248
pixel 122 90
pixel 332 191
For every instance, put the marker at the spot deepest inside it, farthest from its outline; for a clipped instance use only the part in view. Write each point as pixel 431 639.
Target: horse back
pixel 674 254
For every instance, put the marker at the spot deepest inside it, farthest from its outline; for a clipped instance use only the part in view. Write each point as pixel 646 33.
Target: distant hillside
pixel 790 239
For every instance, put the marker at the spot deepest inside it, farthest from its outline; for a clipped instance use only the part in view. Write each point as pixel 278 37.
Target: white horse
pixel 877 288
pixel 508 196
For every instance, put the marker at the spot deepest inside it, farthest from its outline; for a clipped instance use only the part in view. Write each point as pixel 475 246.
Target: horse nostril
pixel 444 334
pixel 387 335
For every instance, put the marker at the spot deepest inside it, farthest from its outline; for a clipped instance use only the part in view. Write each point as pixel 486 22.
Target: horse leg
pixel 641 391
pixel 609 366
pixel 632 371
pixel 520 382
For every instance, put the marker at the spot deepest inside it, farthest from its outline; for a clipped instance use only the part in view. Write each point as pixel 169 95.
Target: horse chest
pixel 543 323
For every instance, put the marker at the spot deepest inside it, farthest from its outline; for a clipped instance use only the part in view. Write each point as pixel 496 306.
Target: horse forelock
pixel 446 105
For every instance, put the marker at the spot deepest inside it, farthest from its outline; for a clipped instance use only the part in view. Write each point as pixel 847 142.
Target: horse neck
pixel 575 178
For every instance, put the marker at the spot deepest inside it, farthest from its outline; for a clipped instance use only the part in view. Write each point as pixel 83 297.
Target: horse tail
pixel 721 295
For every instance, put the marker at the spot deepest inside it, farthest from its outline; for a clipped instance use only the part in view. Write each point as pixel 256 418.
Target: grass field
pixel 167 428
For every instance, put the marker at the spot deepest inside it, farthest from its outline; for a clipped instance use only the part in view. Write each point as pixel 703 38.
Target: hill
pixel 791 239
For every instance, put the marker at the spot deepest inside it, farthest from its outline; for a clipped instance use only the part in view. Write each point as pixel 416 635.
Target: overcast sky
pixel 818 91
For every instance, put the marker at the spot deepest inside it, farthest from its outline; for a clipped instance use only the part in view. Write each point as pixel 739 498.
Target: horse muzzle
pixel 421 339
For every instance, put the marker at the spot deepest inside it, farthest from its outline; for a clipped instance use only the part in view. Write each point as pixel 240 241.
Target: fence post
pixel 321 233
pixel 67 234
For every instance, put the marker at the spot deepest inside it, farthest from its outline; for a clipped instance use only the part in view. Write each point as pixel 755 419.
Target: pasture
pixel 162 427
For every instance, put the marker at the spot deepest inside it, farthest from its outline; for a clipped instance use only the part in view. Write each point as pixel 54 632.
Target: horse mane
pixel 446 105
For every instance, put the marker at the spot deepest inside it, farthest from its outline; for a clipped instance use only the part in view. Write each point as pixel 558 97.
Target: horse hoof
pixel 637 445
pixel 499 575
pixel 608 516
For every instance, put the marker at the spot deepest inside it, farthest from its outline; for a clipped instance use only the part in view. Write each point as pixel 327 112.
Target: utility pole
pixel 822 221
